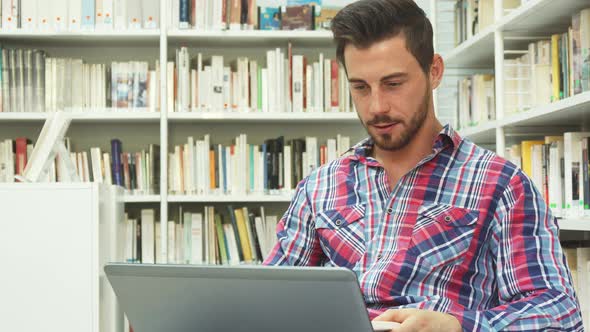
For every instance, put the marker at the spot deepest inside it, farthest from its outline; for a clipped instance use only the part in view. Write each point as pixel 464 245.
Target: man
pixel 445 234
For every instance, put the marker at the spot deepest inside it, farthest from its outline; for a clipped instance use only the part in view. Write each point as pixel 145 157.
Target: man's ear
pixel 437 69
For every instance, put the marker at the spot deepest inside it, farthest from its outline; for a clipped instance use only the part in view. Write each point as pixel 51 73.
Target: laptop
pixel 196 298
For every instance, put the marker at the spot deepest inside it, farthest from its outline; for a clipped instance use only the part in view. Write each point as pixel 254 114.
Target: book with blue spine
pixel 116 148
pixel 88 12
pixel 264 167
pixel 269 18
pixel 184 14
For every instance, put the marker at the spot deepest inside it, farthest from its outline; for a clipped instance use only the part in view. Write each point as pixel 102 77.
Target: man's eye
pixel 393 84
pixel 359 87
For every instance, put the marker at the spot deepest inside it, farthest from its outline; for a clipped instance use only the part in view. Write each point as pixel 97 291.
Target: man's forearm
pixel 543 310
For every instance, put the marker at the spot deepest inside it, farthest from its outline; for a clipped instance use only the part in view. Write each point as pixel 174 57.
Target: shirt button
pixel 448 218
pixel 379 257
pixel 339 222
pixel 389 211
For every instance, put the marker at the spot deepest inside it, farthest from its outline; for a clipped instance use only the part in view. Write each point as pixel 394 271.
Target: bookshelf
pixel 142 198
pixel 571 111
pixel 250 38
pixel 575 224
pixel 84 38
pixel 136 128
pixel 213 117
pixel 484 51
pixel 507 37
pixel 473 53
pixel 278 198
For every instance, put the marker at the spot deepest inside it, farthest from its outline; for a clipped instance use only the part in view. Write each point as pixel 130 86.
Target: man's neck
pixel 399 162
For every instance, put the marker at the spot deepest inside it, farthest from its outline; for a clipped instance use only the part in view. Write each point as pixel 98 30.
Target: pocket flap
pixel 340 217
pixel 449 215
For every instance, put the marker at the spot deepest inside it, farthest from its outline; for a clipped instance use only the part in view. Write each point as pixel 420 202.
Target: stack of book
pixel 552 69
pixel 31 81
pixel 236 236
pixel 558 166
pixel 288 83
pixel 476 101
pixel 274 167
pixel 252 14
pixel 80 15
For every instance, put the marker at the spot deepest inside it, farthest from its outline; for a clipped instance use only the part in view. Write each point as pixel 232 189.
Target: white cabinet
pixel 54 240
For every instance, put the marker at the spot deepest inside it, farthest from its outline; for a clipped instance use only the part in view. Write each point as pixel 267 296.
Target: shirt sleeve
pixel 534 284
pixel 297 243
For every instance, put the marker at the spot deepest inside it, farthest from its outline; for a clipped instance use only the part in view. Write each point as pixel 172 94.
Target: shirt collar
pixel 447 137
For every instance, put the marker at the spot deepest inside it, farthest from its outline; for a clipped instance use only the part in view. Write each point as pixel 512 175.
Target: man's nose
pixel 378 103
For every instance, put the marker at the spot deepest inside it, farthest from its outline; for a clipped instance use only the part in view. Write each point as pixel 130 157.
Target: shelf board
pixel 130 198
pixel 349 117
pixel 91 38
pixel 484 133
pixel 90 116
pixel 22 117
pixel 476 52
pixel 542 17
pixel 249 38
pixel 582 224
pixel 116 116
pixel 571 111
pixel 229 198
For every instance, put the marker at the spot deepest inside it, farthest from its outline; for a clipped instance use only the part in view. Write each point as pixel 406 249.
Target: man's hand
pixel 415 320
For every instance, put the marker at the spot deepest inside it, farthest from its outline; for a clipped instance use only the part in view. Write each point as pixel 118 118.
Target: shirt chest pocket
pixel 442 234
pixel 341 234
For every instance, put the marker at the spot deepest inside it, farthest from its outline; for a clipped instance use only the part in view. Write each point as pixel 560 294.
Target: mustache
pixel 382 119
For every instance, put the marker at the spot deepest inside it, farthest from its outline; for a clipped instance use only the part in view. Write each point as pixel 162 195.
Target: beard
pixel 389 142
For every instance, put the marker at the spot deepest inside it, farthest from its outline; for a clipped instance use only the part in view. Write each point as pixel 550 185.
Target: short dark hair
pixel 366 22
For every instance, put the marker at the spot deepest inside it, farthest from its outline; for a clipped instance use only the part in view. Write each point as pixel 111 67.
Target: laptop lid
pixel 182 298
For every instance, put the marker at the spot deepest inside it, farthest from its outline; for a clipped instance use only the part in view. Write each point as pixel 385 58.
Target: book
pixel 269 18
pixel 116 149
pixel 147 236
pixel 235 236
pixel 298 17
pixel 88 15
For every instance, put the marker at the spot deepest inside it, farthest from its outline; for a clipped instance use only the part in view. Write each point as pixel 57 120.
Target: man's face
pixel 390 91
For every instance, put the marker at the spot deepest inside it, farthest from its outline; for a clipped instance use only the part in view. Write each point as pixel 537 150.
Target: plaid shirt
pixel 464 232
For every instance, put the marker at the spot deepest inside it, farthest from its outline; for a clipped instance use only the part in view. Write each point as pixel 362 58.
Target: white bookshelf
pixel 260 198
pixel 9 117
pixel 486 51
pixel 131 198
pixel 567 112
pixel 474 52
pixel 541 16
pixel 582 224
pixel 116 116
pixel 535 18
pixel 263 117
pixel 249 38
pixel 571 111
pixel 168 128
pixel 485 132
pixel 89 38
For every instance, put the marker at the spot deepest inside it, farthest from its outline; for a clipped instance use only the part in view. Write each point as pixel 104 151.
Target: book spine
pixel 88 15
pixel 116 149
pixel 184 14
pixel 120 13
pixel 10 14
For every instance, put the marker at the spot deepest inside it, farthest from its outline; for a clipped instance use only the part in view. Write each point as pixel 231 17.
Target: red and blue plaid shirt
pixel 464 232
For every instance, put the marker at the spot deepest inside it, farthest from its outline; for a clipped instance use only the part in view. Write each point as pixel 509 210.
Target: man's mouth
pixel 384 127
